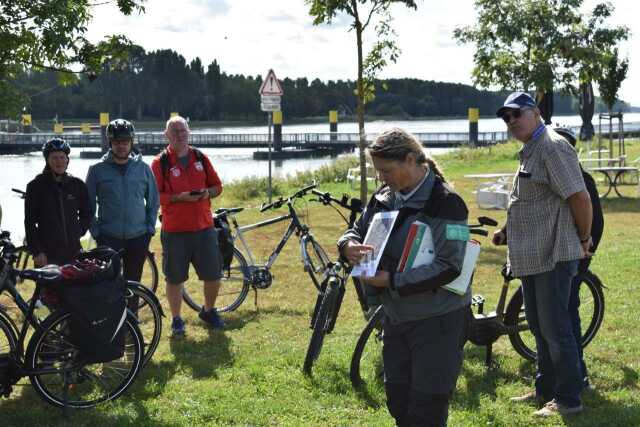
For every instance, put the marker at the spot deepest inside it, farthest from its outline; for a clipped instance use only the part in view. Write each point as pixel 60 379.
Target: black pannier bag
pixel 225 241
pixel 93 291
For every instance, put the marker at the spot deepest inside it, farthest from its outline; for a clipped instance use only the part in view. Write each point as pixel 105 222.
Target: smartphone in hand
pixel 196 192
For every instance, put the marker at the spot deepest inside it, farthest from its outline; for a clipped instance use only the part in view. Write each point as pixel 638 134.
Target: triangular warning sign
pixel 271 85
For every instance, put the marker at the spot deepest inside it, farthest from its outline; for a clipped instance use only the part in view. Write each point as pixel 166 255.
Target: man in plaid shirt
pixel 547 233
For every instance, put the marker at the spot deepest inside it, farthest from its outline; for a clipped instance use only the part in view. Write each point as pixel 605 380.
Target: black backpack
pixel 93 291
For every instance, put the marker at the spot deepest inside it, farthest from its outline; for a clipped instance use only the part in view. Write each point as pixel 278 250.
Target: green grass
pixel 250 374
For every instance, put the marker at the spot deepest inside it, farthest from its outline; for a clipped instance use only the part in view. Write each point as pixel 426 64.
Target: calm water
pixel 231 163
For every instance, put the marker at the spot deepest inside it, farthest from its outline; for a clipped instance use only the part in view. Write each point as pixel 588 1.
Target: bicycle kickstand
pixel 255 299
pixel 488 360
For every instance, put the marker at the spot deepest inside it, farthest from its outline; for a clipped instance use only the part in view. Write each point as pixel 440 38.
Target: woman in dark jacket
pixel 424 324
pixel 56 209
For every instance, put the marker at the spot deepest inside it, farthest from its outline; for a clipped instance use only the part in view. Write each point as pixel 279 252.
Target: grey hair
pixel 176 119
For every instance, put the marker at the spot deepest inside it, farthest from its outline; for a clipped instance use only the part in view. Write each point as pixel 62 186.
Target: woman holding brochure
pixel 424 324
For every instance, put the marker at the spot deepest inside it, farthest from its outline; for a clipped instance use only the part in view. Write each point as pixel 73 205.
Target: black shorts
pixel 199 248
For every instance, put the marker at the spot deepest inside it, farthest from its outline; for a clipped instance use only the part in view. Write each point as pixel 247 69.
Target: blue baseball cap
pixel 516 101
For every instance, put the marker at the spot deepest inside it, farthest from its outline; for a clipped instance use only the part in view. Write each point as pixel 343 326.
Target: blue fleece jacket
pixel 126 197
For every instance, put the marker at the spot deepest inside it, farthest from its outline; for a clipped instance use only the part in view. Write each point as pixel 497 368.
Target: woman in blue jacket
pixel 424 325
pixel 124 199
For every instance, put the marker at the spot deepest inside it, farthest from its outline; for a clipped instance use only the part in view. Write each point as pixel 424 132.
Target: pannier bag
pixel 225 241
pixel 92 289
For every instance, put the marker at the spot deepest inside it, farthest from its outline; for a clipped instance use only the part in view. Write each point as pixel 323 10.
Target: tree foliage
pixel 362 12
pixel 614 73
pixel 50 34
pixel 540 44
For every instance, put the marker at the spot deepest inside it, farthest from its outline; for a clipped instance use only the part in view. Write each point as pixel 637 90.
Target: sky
pixel 252 36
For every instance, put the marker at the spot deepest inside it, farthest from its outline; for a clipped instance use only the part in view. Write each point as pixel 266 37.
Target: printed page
pixel 377 236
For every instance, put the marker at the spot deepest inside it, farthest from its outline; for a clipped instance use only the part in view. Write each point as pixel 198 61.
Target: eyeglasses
pixel 515 114
pixel 179 131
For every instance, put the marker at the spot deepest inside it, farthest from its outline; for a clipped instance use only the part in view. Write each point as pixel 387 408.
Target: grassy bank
pixel 250 374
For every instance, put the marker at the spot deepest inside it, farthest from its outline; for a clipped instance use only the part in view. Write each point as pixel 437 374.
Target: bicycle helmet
pixel 120 129
pixel 567 134
pixel 55 144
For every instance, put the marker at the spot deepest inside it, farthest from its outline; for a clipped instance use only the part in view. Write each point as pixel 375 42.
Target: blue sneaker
pixel 177 327
pixel 211 318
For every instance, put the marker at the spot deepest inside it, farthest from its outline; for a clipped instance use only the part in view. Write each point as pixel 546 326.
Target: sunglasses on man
pixel 514 113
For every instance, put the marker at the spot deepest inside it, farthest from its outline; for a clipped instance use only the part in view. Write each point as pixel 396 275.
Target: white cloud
pixel 250 36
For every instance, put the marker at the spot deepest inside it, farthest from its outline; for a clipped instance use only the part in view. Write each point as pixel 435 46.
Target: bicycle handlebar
pixel 20 192
pixel 278 203
pixel 483 221
pixel 326 199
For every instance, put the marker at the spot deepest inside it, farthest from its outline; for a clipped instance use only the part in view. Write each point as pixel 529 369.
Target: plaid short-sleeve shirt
pixel 541 230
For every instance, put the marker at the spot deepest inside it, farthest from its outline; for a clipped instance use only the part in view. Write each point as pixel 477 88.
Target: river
pixel 231 163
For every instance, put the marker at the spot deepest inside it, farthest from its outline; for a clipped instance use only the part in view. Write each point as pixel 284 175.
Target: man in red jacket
pixel 186 182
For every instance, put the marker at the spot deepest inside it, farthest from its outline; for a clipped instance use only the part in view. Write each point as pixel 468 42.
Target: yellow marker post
pixel 85 128
pixel 104 122
pixel 277 131
pixel 26 120
pixel 173 114
pixel 104 119
pixel 333 124
pixel 474 115
pixel 58 128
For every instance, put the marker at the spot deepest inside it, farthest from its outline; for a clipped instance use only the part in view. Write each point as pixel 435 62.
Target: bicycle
pixel 150 267
pixel 52 362
pixel 332 291
pixel 484 328
pixel 245 273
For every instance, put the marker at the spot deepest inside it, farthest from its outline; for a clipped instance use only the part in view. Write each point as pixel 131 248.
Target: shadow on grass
pixel 22 411
pixel 613 203
pixel 332 377
pixel 201 357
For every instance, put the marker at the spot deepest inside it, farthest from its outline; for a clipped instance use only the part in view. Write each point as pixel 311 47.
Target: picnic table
pixel 613 177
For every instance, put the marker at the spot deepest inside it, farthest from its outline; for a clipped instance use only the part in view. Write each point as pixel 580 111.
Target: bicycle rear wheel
pixel 77 385
pixel 315 259
pixel 366 361
pixel 9 353
pixel 150 275
pixel 324 321
pixel 591 315
pixel 146 307
pixel 234 287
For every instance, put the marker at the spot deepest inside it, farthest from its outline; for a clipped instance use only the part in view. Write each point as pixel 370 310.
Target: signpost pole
pixel 270 114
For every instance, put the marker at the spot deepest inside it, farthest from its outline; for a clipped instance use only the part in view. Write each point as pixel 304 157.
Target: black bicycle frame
pixel 294 226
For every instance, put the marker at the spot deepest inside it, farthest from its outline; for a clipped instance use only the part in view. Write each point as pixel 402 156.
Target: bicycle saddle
pixel 48 273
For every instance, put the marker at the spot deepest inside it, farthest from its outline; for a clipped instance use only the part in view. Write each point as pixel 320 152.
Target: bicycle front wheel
pixel 324 320
pixel 315 259
pixel 146 307
pixel 234 287
pixel 591 312
pixel 8 350
pixel 366 361
pixel 69 383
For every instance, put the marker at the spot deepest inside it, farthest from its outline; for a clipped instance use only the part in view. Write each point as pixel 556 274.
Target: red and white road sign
pixel 271 85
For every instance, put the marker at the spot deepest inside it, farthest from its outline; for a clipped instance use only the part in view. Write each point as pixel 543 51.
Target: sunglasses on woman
pixel 514 113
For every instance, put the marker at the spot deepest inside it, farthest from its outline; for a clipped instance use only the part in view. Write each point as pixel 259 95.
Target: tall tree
pixel 50 35
pixel 615 71
pixel 383 50
pixel 587 50
pixel 519 45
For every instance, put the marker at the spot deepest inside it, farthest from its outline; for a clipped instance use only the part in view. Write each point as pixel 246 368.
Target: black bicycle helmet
pixel 55 144
pixel 567 134
pixel 120 129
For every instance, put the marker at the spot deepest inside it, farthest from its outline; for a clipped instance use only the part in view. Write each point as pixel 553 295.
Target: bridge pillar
pixel 104 122
pixel 474 114
pixel 277 131
pixel 333 124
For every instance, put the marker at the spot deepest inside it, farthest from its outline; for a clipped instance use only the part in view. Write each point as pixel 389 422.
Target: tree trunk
pixel 362 144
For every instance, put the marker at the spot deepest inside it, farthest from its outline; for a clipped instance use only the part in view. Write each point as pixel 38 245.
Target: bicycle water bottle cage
pixel 261 278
